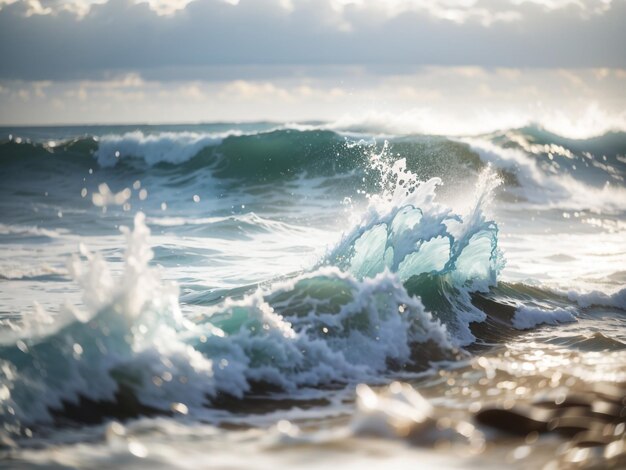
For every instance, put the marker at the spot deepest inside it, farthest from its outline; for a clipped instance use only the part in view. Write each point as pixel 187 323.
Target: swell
pixel 265 156
pixel 597 162
pixel 529 156
pixel 551 172
pixel 35 157
pixel 611 143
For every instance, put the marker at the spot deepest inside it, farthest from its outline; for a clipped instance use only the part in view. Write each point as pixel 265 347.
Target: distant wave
pixel 32 231
pixel 597 298
pixel 530 317
pixel 592 123
pixel 538 167
pixel 552 176
pixel 166 147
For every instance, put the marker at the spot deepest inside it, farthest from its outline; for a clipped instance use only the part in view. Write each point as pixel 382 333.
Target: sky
pixel 425 65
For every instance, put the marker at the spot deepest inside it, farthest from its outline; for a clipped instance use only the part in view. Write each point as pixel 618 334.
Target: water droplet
pixel 116 428
pixel 180 408
pixel 285 427
pixel 78 349
pixel 137 449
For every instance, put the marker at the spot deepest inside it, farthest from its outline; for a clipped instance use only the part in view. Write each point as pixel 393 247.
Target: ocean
pixel 268 295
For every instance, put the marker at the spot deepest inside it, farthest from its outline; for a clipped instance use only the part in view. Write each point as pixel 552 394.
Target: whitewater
pixel 204 295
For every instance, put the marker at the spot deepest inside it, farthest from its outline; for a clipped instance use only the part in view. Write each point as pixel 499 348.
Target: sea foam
pixel 165 147
pixel 323 327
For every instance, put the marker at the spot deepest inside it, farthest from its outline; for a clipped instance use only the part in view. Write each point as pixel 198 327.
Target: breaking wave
pixel 396 293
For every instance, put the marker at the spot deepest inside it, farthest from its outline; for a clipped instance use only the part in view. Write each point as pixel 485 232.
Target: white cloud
pixel 128 80
pixel 192 91
pixel 166 7
pixel 24 94
pixel 448 100
pixel 81 8
pixel 249 90
pixel 452 10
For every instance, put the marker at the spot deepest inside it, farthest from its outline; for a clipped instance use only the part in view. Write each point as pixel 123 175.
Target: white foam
pixel 545 190
pixel 597 298
pixel 584 123
pixel 529 317
pixel 31 231
pixel 167 147
pixel 131 328
pixel 20 272
pixel 406 231
pixel 394 412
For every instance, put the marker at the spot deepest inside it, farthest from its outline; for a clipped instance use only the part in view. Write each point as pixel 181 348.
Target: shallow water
pixel 269 271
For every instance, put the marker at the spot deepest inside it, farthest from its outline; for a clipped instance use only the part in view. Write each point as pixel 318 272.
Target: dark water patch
pixel 516 293
pixel 584 415
pixel 40 158
pixel 124 406
pixel 265 398
pixel 497 327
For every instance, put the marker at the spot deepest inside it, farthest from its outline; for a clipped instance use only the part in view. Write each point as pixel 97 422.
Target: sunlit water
pixel 271 271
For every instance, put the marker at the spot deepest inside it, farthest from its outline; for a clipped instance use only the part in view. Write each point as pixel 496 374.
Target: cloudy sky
pixel 413 61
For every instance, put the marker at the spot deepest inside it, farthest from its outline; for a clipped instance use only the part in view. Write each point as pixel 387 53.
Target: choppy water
pixel 266 271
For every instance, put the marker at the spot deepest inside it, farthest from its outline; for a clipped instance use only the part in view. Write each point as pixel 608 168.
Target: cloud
pixel 80 8
pixel 73 39
pixel 453 10
pixel 446 100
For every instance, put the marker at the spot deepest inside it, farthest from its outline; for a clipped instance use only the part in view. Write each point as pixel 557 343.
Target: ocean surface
pixel 302 295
